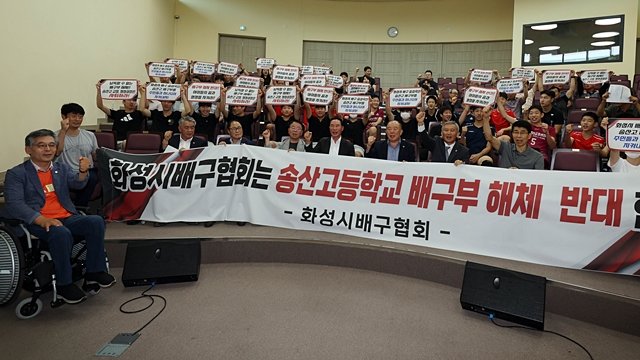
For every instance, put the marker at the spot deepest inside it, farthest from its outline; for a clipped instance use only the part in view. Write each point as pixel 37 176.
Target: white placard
pixel 241 96
pixel 162 69
pixel 321 70
pixel 405 98
pixel 265 63
pixel 280 95
pixel 481 76
pixel 225 68
pixel 163 91
pixel 477 96
pixel 594 76
pixel 285 73
pixel 204 68
pixel 510 86
pixel 116 89
pixel 313 80
pixel 624 134
pixel 335 81
pixel 182 63
pixel 356 88
pixel 248 81
pixel 353 104
pixel 619 94
pixel 306 70
pixel 316 95
pixel 204 92
pixel 525 73
pixel 556 77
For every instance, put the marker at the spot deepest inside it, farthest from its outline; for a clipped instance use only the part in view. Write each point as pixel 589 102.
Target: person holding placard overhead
pixel 164 121
pixel 125 120
pixel 367 79
pixel 287 114
pixel 236 112
pixel 627 110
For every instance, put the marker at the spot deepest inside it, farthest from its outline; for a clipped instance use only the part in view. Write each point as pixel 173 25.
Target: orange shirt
pixel 52 207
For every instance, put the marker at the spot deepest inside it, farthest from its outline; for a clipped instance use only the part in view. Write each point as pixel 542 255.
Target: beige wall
pixel 527 12
pixel 55 51
pixel 286 23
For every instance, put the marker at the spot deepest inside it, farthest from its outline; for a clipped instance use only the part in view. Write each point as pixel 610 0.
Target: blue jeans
pixel 60 240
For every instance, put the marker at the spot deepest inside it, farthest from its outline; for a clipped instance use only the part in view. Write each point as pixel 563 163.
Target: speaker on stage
pixel 510 295
pixel 161 261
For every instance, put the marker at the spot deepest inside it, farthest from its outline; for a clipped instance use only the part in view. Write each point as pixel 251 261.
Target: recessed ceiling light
pixel 544 27
pixel 609 21
pixel 528 42
pixel 549 48
pixel 602 43
pixel 606 34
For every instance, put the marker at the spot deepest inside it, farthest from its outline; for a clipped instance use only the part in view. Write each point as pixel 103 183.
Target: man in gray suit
pixel 293 143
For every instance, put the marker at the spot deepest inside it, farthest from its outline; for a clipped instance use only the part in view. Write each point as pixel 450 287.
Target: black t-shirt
pixel 161 123
pixel 409 127
pixel 124 122
pixel 206 125
pixel 553 117
pixel 246 121
pixel 353 131
pixel 432 88
pixel 282 127
pixel 372 82
pixel 319 129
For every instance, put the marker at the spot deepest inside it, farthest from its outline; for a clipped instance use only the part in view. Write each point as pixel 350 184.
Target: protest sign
pixel 241 96
pixel 248 81
pixel 183 64
pixel 556 77
pixel 203 92
pixel 510 86
pixel 162 70
pixel 594 76
pixel 265 63
pixel 321 70
pixel 313 80
pixel 335 81
pixel 353 104
pixel 306 70
pixel 225 68
pixel 317 95
pixel 477 96
pixel 624 134
pixel 163 91
pixel 481 76
pixel 204 68
pixel 405 98
pixel 116 89
pixel 356 88
pixel 280 95
pixel 285 73
pixel 525 73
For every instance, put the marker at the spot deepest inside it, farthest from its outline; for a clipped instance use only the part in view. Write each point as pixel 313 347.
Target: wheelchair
pixel 25 263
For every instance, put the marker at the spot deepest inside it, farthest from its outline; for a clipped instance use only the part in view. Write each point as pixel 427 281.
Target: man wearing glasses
pixel 37 193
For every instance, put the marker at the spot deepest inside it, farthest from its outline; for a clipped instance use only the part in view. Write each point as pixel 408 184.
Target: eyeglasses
pixel 235 128
pixel 43 146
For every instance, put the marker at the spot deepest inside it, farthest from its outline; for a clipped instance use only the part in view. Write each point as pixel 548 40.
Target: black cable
pixel 142 296
pixel 491 317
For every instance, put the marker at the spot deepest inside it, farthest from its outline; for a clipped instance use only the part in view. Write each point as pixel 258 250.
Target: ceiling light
pixel 606 34
pixel 528 42
pixel 602 43
pixel 549 48
pixel 609 21
pixel 544 27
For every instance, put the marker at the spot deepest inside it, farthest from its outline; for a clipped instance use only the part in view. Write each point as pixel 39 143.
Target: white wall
pixel 54 52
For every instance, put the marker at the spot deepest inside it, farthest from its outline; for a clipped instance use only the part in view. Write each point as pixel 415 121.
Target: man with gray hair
pixel 444 148
pixel 186 138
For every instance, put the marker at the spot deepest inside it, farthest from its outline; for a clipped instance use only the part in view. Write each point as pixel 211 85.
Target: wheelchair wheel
pixel 11 264
pixel 26 310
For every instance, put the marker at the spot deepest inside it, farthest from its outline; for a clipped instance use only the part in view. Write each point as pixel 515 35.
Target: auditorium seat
pixel 575 115
pixel 613 78
pixel 575 160
pixel 444 80
pixel 590 103
pixel 106 139
pixel 143 143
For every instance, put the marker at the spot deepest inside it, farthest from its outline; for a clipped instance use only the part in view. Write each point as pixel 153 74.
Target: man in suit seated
pixel 234 128
pixel 293 143
pixel 333 145
pixel 445 148
pixel 394 148
pixel 37 193
pixel 186 138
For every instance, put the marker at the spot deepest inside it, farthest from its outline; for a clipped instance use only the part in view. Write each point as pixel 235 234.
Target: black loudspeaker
pixel 510 295
pixel 161 262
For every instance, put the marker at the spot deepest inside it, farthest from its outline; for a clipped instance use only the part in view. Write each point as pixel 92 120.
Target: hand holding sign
pixel 118 89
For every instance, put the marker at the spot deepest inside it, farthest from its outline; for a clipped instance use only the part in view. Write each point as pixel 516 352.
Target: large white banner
pixel 576 220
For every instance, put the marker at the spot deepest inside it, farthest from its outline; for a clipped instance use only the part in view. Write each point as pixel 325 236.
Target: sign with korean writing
pixel 183 64
pixel 280 95
pixel 481 76
pixel 405 98
pixel 510 86
pixel 525 73
pixel 313 80
pixel 285 73
pixel 118 89
pixel 241 96
pixel 163 91
pixel 204 68
pixel 317 95
pixel 594 76
pixel 225 68
pixel 477 96
pixel 265 63
pixel 353 104
pixel 334 81
pixel 556 77
pixel 161 69
pixel 248 81
pixel 355 88
pixel 321 70
pixel 306 70
pixel 624 134
pixel 203 92
pixel 541 217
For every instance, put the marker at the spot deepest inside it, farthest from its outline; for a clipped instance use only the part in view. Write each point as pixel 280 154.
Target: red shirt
pixel 52 207
pixel 539 139
pixel 579 142
pixel 500 122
